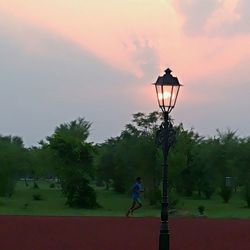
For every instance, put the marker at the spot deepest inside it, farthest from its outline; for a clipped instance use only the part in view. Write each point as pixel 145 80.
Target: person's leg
pixel 131 208
pixel 137 205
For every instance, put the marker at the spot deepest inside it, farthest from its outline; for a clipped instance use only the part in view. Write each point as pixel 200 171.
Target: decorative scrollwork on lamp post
pixel 167 89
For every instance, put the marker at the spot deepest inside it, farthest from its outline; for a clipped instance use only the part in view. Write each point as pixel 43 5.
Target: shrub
pixel 25 205
pixel 52 185
pixel 246 194
pixel 80 194
pixel 226 193
pixel 37 197
pixel 7 186
pixel 208 191
pixel 35 185
pixel 173 199
pixel 201 209
pixel 154 196
pixel 120 186
pixel 26 183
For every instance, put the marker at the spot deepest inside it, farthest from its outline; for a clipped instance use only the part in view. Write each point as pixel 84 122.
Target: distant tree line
pixel 219 164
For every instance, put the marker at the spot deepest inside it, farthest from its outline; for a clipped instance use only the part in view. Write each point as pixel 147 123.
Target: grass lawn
pixel 215 208
pixel 53 203
pixel 113 204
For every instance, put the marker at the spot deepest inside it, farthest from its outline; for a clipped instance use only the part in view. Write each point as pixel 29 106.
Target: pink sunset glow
pixel 205 43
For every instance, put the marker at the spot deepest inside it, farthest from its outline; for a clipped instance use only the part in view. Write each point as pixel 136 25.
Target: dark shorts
pixel 137 200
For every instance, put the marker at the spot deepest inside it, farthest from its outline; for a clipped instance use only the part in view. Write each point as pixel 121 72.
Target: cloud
pixel 101 27
pixel 146 56
pixel 217 101
pixel 195 13
pixel 214 18
pixel 96 59
pixel 240 25
pixel 47 80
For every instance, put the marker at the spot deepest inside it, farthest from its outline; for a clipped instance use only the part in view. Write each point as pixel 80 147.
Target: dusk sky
pixel 62 59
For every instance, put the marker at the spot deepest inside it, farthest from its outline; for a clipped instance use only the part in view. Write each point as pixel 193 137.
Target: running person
pixel 136 191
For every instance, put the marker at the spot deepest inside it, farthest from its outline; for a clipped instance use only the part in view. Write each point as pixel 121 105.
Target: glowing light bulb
pixel 165 95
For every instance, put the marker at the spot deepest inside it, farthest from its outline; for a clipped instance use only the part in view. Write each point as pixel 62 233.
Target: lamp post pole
pixel 167 89
pixel 166 138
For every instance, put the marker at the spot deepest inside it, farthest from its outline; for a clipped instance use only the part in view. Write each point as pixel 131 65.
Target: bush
pixel 154 196
pixel 85 197
pixel 52 185
pixel 173 199
pixel 79 194
pixel 121 181
pixel 37 197
pixel 26 183
pixel 201 209
pixel 226 193
pixel 35 185
pixel 246 194
pixel 208 191
pixel 25 205
pixel 7 186
pixel 120 186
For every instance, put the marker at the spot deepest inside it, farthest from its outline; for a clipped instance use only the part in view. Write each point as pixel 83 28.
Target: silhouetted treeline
pixel 196 164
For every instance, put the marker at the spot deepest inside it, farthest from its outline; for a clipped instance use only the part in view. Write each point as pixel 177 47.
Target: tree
pixel 76 156
pixel 181 159
pixel 11 160
pixel 227 154
pixel 42 162
pixel 243 168
pixel 105 162
pixel 135 154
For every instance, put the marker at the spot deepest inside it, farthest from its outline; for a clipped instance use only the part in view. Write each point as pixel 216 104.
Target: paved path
pixel 111 233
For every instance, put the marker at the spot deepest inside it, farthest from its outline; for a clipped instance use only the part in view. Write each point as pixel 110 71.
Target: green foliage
pixel 226 193
pixel 7 184
pixel 154 196
pixel 181 161
pixel 197 165
pixel 81 195
pixel 203 167
pixel 52 185
pixel 246 193
pixel 104 162
pixel 139 153
pixel 125 164
pixel 75 168
pixel 11 159
pixel 207 190
pixel 201 209
pixel 69 141
pixel 41 162
pixel 113 204
pixel 120 160
pixel 35 185
pixel 37 197
pixel 173 199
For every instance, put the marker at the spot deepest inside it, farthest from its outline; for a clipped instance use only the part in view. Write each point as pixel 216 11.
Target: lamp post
pixel 167 89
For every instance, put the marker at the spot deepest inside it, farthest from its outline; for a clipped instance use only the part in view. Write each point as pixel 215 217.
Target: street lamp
pixel 167 89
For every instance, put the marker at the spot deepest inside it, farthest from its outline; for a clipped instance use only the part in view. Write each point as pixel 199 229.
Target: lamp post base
pixel 164 241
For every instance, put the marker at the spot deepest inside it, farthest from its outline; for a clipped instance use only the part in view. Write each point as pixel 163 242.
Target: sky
pixel 96 59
